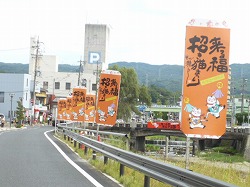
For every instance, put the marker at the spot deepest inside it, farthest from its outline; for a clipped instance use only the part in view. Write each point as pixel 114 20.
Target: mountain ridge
pixel 166 76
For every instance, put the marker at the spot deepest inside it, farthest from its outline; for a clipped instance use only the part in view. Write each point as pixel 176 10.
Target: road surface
pixel 33 157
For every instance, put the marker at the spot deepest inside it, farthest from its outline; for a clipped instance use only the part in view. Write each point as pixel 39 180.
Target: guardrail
pixel 240 129
pixel 160 171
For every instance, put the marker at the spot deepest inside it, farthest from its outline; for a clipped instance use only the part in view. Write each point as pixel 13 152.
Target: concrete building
pixel 13 88
pixel 60 84
pixel 44 68
pixel 49 83
pixel 96 47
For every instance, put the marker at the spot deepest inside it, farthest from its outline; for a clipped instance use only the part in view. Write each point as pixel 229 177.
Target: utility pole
pixel 233 106
pixel 248 110
pixel 11 112
pixel 96 95
pixel 242 94
pixel 37 47
pixel 80 69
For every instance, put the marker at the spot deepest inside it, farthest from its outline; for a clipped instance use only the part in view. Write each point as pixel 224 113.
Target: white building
pixel 49 82
pixel 15 85
pixel 60 84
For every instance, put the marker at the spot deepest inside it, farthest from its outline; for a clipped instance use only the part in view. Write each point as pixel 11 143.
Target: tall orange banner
pixel 205 81
pixel 69 104
pixel 108 96
pixel 61 108
pixel 90 108
pixel 79 97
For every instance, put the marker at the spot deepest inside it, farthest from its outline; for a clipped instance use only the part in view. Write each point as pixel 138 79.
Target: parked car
pixel 2 120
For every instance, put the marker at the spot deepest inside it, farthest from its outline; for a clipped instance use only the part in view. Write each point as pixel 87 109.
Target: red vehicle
pixel 169 125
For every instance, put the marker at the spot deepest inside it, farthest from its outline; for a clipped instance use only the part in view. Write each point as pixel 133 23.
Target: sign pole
pixel 187 152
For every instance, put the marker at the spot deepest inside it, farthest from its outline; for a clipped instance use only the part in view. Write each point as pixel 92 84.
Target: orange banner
pixel 69 103
pixel 108 96
pixel 205 82
pixel 61 108
pixel 90 108
pixel 79 97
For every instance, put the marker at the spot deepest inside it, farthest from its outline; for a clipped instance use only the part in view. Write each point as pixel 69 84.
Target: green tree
pixel 20 112
pixel 129 92
pixel 160 95
pixel 241 117
pixel 144 96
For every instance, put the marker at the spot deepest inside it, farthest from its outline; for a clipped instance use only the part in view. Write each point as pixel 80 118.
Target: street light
pixel 11 98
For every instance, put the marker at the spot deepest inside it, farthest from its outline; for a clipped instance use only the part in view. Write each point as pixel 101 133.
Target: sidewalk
pixel 7 127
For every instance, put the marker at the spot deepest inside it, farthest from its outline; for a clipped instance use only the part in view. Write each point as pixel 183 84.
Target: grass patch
pixel 222 154
pixel 229 174
pixel 150 147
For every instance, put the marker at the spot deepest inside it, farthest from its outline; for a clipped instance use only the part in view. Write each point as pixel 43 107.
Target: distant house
pixel 13 88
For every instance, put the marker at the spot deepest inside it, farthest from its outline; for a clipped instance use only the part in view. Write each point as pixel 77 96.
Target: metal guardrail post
pixel 121 169
pixel 74 143
pixel 79 145
pixel 94 155
pixel 105 159
pixel 68 138
pixel 146 181
pixel 85 150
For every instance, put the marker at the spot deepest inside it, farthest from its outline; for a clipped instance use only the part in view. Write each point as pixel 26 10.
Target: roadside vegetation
pixel 222 154
pixel 209 163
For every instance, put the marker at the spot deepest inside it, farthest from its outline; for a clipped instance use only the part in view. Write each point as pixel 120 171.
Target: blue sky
pixel 141 30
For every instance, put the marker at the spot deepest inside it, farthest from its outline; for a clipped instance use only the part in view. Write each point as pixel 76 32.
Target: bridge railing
pixel 240 129
pixel 160 171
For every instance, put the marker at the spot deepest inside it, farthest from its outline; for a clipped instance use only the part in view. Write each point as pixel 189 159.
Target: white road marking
pixel 84 173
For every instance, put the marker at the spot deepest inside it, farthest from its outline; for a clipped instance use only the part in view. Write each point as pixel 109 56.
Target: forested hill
pixel 166 76
pixel 170 76
pixel 24 68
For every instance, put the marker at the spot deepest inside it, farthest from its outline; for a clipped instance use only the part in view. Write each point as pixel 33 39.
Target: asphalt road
pixel 31 157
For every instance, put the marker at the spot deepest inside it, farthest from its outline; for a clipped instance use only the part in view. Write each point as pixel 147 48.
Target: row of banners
pixel 85 107
pixel 205 86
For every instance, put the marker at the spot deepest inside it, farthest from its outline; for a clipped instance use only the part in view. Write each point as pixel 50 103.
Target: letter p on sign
pixel 94 57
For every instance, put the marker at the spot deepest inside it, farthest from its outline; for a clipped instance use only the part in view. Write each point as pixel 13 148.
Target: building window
pixel 68 85
pixel 94 87
pixel 27 82
pixel 1 97
pixel 45 85
pixel 57 85
pixel 84 82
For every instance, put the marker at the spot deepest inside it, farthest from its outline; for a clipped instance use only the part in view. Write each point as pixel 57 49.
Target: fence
pixel 160 171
